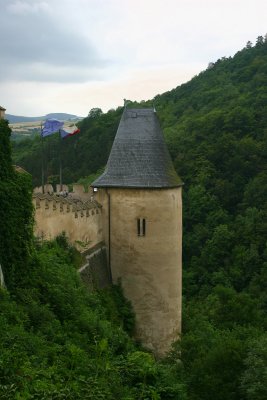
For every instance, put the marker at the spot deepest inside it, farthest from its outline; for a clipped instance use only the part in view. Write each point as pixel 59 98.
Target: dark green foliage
pixel 117 305
pixel 60 341
pixel 254 379
pixel 216 129
pixel 6 169
pixel 218 142
pixel 15 216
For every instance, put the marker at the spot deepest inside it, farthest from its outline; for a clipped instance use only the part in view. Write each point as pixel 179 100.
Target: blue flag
pixel 51 126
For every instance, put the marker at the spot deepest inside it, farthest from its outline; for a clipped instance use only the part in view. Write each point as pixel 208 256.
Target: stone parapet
pixel 80 220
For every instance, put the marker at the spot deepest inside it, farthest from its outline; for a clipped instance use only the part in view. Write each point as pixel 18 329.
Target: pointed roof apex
pixel 139 157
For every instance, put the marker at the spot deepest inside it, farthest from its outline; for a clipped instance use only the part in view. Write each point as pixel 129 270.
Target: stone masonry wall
pixel 81 221
pixel 95 273
pixel 148 265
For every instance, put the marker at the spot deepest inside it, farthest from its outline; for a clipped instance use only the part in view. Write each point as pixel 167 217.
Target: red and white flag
pixel 69 132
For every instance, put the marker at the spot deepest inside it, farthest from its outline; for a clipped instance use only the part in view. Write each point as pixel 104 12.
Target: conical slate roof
pixel 139 157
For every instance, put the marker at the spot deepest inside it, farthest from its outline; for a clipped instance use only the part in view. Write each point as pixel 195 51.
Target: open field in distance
pixel 28 128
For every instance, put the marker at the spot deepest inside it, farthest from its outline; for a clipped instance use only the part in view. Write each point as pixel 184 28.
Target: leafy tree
pixel 15 216
pixel 95 112
pixel 254 378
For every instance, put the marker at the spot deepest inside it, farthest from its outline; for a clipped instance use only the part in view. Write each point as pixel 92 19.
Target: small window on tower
pixel 144 227
pixel 138 226
pixel 141 226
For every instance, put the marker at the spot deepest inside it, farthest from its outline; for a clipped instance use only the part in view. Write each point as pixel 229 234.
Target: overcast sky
pixel 73 55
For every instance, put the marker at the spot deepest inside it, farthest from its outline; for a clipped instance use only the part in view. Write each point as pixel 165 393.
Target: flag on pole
pixel 51 126
pixel 69 132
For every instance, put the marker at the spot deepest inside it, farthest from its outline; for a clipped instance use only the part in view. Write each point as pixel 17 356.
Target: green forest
pixel 59 341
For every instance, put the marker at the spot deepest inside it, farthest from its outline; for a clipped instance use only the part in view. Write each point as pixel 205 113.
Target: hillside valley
pixel 30 127
pixel 80 345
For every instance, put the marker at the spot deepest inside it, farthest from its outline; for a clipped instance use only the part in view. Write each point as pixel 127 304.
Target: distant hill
pixel 13 119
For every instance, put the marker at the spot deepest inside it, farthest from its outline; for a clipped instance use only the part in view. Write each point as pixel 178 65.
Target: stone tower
pixel 142 209
pixel 2 112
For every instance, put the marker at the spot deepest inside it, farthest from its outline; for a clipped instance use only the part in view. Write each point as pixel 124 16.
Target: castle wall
pixel 150 266
pixel 101 197
pixel 95 273
pixel 81 223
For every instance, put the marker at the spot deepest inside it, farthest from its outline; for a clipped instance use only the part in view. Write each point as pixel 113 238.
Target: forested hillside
pixel 58 340
pixel 216 129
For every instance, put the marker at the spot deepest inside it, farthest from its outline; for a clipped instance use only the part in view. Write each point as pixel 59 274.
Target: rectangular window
pixel 144 227
pixel 141 226
pixel 138 226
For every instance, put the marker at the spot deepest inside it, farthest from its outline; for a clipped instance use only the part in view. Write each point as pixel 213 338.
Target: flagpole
pixel 52 126
pixel 60 162
pixel 42 146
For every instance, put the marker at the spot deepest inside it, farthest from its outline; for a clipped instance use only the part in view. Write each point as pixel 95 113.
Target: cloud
pixel 23 7
pixel 36 45
pixel 73 55
pixel 79 98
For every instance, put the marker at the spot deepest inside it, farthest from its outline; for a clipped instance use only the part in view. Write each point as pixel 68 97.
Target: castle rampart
pixel 80 220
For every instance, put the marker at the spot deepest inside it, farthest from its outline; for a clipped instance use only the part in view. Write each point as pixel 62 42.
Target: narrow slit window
pixel 144 227
pixel 138 226
pixel 141 227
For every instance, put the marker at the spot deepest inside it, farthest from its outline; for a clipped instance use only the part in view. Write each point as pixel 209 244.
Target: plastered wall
pixel 82 223
pixel 150 266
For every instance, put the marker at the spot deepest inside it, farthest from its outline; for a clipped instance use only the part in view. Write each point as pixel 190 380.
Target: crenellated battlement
pixel 80 220
pixel 67 204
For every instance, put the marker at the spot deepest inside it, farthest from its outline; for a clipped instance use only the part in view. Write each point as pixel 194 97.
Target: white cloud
pixel 79 98
pixel 27 7
pixel 76 54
